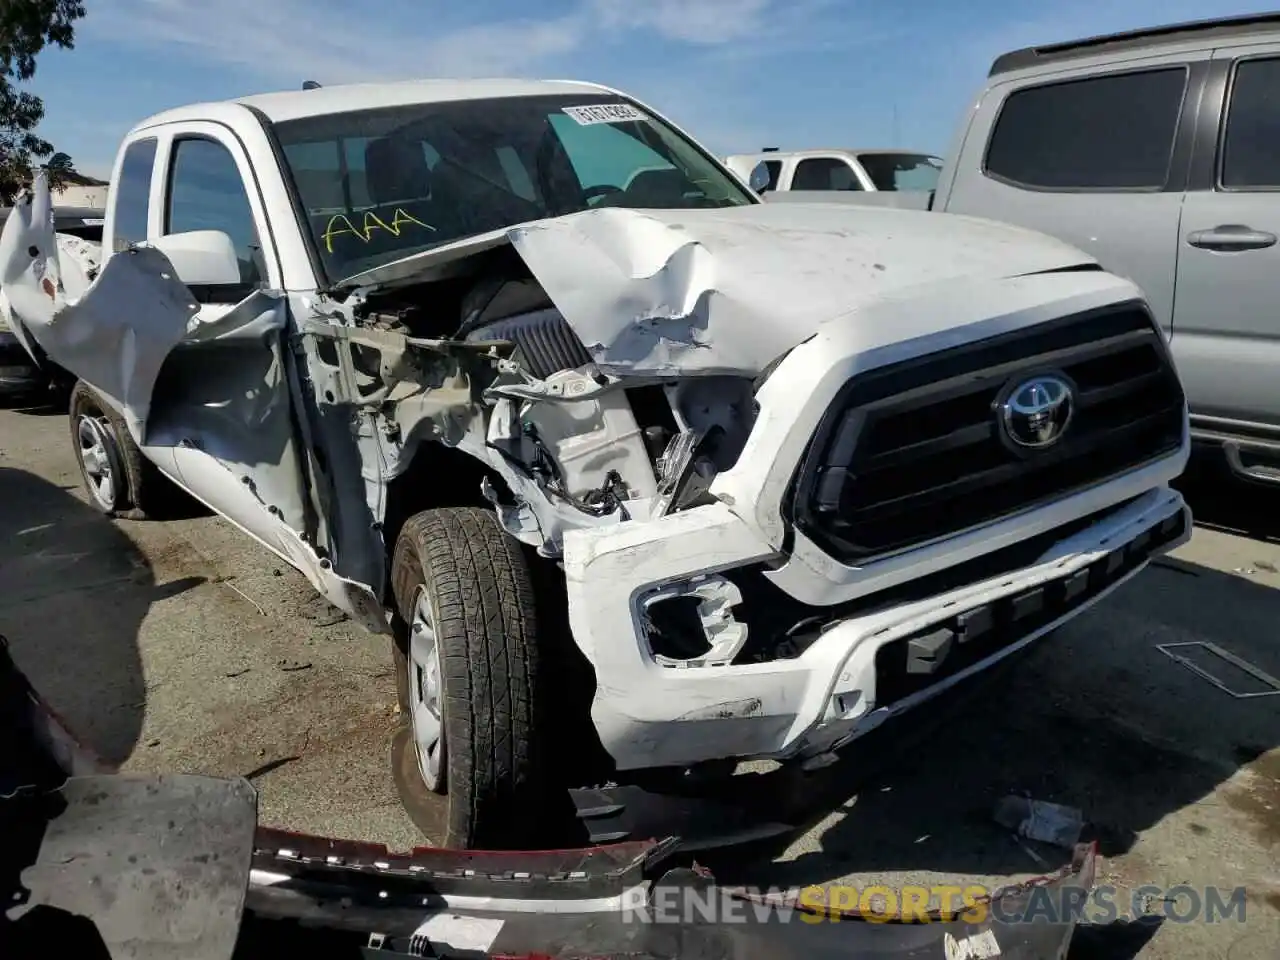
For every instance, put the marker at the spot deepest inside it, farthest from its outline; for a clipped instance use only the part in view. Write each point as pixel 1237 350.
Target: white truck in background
pixel 883 178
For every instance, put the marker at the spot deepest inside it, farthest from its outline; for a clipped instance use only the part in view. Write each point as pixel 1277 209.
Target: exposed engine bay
pixel 576 446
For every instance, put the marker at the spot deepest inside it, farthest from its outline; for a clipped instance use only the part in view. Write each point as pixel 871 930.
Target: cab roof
pixel 321 101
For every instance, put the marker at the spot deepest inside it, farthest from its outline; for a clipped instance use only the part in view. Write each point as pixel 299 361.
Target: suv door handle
pixel 1231 237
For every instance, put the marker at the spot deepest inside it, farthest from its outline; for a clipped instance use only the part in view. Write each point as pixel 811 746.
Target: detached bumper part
pixel 187 875
pixel 621 903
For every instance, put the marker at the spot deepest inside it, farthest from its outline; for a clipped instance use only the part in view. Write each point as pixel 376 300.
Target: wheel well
pixel 438 476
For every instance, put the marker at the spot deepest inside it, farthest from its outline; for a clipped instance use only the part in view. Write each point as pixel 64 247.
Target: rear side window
pixel 1111 132
pixel 133 194
pixel 1251 147
pixel 824 173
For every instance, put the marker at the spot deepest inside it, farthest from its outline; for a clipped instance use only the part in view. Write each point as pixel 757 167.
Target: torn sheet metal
pixel 661 292
pixel 72 308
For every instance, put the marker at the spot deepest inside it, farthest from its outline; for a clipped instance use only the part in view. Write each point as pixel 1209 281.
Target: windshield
pixel 379 185
pixel 902 171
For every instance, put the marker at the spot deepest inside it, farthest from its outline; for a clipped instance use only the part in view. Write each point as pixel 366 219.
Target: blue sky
pixel 738 74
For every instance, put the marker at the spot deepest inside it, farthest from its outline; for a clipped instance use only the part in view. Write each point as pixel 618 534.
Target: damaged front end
pixel 110 865
pixel 755 447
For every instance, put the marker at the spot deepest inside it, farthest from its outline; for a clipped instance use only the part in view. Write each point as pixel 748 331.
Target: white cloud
pixel 692 21
pixel 280 43
pixel 300 40
pixel 315 39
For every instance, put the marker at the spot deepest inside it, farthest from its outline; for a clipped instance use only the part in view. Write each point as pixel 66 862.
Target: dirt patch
pixel 1258 798
pixel 248 736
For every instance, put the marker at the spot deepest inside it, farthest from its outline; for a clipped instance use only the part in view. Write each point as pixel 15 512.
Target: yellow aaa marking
pixel 341 225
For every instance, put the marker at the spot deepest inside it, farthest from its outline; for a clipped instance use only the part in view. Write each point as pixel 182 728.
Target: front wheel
pixel 468 678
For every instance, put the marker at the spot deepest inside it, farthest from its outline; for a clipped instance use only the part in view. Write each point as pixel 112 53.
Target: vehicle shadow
pixel 36 405
pixel 1223 502
pixel 1094 716
pixel 1117 940
pixel 73 594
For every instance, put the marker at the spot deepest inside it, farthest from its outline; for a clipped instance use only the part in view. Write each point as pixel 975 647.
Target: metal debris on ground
pixel 1040 820
pixel 292 666
pixel 1268 686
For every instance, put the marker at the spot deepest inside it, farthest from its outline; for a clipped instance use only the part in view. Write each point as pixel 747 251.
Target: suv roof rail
pixel 1134 39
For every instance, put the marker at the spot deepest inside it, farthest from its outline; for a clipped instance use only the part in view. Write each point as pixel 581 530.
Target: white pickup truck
pixel 468 353
pixel 889 178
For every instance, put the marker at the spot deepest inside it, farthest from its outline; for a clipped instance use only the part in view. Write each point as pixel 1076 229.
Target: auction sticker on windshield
pixel 604 113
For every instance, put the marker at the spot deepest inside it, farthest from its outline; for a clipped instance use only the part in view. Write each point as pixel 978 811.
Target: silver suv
pixel 1158 152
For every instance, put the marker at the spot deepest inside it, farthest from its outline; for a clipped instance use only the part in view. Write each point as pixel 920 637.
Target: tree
pixel 26 28
pixel 59 169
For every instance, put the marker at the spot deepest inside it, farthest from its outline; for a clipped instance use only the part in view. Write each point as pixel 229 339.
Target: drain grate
pixel 1210 662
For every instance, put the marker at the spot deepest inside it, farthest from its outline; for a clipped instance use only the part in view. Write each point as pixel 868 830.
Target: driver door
pixel 221 403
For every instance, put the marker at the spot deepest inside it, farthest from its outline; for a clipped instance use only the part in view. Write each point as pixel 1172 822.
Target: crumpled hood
pixel 730 290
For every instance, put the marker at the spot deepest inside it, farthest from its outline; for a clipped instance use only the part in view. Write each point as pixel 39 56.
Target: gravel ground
pixel 184 646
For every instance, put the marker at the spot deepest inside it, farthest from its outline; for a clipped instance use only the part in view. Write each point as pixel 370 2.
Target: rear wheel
pixel 119 480
pixel 470 770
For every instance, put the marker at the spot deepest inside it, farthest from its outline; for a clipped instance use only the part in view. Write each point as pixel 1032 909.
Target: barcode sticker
pixel 604 113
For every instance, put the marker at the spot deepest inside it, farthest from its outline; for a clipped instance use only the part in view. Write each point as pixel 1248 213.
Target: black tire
pixel 139 490
pixel 477 583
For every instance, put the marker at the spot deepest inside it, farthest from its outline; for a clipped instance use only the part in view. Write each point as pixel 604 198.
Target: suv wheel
pixel 467 762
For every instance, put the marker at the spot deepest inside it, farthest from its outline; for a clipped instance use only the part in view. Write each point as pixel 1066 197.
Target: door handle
pixel 1231 237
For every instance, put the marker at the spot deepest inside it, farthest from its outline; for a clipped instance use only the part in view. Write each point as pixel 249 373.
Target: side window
pixel 1251 146
pixel 206 193
pixel 824 173
pixel 1111 132
pixel 133 194
pixel 775 170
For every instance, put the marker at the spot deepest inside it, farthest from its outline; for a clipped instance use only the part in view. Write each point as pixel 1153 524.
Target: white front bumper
pixel 649 714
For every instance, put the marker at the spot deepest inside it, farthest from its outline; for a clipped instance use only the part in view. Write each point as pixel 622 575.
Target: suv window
pixel 1251 147
pixel 133 194
pixel 207 193
pixel 824 173
pixel 1109 132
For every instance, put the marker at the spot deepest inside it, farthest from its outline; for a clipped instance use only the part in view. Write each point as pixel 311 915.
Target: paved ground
pixel 182 646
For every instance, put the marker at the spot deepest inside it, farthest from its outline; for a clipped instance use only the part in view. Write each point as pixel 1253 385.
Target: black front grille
pixel 912 452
